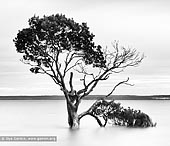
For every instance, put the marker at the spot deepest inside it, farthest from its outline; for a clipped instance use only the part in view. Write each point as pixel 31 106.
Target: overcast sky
pixel 141 24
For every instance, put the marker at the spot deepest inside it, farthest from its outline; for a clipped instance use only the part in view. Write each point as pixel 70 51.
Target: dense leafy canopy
pixel 48 36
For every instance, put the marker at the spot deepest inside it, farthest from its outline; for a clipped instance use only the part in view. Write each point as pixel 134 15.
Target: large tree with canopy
pixel 64 50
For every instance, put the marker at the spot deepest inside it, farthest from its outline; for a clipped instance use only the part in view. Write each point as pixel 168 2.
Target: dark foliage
pixel 115 114
pixel 46 37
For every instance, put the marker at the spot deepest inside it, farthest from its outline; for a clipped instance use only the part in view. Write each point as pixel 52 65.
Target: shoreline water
pixel 49 118
pixel 90 97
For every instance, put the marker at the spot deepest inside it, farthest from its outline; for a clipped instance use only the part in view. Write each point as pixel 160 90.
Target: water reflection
pixel 111 135
pixel 50 118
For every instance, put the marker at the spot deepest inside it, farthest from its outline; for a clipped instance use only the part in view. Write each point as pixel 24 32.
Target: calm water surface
pixel 49 118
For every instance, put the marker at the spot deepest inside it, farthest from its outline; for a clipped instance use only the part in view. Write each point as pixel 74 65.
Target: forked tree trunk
pixel 73 119
pixel 72 105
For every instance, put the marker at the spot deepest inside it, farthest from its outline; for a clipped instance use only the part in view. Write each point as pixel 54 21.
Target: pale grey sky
pixel 142 24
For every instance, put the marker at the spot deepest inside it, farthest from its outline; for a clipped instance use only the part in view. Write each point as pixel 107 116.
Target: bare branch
pixel 91 85
pixel 117 62
pixel 67 61
pixel 71 81
pixel 122 82
pixel 74 65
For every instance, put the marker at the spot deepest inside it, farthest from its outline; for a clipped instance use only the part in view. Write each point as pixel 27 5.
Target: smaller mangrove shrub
pixel 114 113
